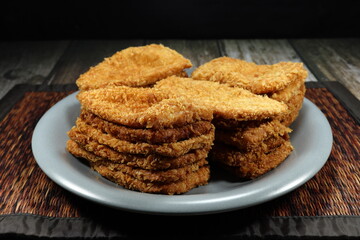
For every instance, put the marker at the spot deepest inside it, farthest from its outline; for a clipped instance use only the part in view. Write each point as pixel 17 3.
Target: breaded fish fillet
pixel 226 102
pixel 194 179
pixel 159 176
pixel 285 95
pixel 167 149
pixel 248 138
pixel 249 164
pixel 294 100
pixel 259 79
pixel 152 136
pixel 135 67
pixel 142 107
pixel 93 151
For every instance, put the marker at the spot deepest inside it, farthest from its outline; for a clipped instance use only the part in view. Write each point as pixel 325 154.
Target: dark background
pixel 178 19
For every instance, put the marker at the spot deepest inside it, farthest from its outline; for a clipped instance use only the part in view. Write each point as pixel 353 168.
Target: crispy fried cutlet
pixel 135 67
pixel 259 79
pixel 142 107
pixel 152 136
pixel 93 151
pixel 160 176
pixel 230 124
pixel 249 164
pixel 226 102
pixel 264 146
pixel 294 105
pixel 194 179
pixel 247 138
pixel 285 95
pixel 167 149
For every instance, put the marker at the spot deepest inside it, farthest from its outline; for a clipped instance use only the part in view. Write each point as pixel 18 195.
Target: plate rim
pixel 177 204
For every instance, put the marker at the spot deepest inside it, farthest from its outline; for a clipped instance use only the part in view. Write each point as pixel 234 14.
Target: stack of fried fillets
pixel 148 127
pixel 143 139
pixel 248 139
pixel 252 148
pixel 284 81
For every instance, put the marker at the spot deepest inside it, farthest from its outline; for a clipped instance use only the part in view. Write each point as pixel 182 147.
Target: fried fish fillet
pixel 285 95
pixel 259 79
pixel 294 104
pixel 160 176
pixel 198 177
pixel 142 107
pixel 249 164
pixel 152 175
pixel 192 180
pixel 251 137
pixel 135 67
pixel 167 149
pixel 152 136
pixel 93 151
pixel 226 102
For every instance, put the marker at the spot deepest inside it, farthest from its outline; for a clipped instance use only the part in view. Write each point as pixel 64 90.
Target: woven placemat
pixel 25 189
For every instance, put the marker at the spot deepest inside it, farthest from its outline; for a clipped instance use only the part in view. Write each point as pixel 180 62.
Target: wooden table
pixel 61 62
pixel 40 66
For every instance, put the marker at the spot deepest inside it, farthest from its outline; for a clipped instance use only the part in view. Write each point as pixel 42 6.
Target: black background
pixel 178 19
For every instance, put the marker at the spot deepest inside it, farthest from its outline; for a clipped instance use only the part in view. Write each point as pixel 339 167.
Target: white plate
pixel 311 137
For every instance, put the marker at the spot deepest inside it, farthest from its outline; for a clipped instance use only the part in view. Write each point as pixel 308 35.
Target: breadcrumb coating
pixel 290 91
pixel 142 107
pixel 152 136
pixel 294 106
pixel 226 102
pixel 134 66
pixel 259 79
pixel 149 175
pixel 250 138
pixel 167 149
pixel 249 164
pixel 87 148
pixel 194 179
pixel 157 176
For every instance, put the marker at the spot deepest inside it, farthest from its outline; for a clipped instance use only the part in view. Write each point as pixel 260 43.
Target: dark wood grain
pixel 27 62
pixel 197 51
pixel 81 55
pixel 332 60
pixel 261 51
pixel 55 62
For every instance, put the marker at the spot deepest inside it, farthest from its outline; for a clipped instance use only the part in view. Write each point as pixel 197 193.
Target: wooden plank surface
pixel 61 62
pixel 332 60
pixel 261 51
pixel 27 62
pixel 81 55
pixel 197 51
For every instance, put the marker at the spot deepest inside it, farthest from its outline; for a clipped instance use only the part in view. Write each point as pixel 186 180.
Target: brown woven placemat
pixel 25 189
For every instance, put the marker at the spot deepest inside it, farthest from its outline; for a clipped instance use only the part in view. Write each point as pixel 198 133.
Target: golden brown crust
pixel 152 136
pixel 249 164
pixel 259 79
pixel 229 124
pixel 167 149
pixel 194 179
pixel 75 149
pixel 226 102
pixel 252 137
pixel 294 105
pixel 289 92
pixel 91 150
pixel 142 107
pixel 156 176
pixel 134 66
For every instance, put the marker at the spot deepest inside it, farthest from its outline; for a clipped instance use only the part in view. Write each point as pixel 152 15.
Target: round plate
pixel 311 137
